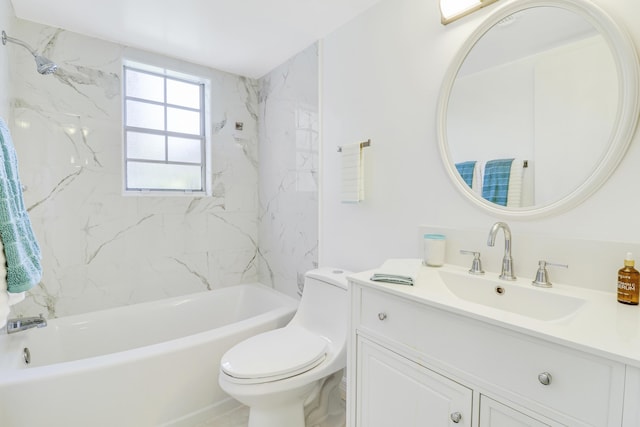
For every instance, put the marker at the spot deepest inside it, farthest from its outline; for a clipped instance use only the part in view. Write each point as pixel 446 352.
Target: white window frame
pixel 203 136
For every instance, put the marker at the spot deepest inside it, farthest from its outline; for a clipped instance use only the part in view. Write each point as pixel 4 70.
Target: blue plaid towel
pixel 496 181
pixel 465 169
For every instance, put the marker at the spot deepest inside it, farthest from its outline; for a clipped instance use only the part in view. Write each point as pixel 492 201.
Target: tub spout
pixel 24 323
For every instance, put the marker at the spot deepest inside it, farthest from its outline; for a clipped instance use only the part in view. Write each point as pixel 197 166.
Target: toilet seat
pixel 274 355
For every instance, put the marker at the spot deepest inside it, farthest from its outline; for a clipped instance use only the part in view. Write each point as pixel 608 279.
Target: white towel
pixel 6 299
pixel 514 194
pixel 399 271
pixel 352 173
pixel 476 182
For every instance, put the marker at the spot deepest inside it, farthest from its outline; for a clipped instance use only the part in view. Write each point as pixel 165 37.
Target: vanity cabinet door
pixel 496 414
pixel 394 391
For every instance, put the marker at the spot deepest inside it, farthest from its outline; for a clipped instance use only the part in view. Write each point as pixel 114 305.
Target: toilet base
pixel 283 409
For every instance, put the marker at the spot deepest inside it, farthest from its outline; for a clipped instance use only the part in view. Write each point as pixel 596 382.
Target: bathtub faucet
pixel 24 323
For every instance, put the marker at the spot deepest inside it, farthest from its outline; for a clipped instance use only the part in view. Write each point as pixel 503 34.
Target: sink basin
pixel 514 297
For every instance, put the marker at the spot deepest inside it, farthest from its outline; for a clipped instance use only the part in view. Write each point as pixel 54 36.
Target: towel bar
pixel 363 144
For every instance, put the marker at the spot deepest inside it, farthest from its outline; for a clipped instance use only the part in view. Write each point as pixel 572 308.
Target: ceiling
pixel 245 37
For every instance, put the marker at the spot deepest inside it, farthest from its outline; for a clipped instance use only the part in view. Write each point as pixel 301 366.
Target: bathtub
pixel 149 364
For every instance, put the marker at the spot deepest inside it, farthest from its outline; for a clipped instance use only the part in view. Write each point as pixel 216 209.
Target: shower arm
pixel 44 65
pixel 6 38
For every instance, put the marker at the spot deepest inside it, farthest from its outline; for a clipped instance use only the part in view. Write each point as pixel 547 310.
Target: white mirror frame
pixel 626 59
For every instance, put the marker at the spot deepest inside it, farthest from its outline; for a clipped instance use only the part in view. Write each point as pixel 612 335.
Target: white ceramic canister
pixel 435 246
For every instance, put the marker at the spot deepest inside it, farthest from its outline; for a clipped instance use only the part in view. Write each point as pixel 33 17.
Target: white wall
pixel 6 17
pixel 573 115
pixel 382 77
pixel 503 94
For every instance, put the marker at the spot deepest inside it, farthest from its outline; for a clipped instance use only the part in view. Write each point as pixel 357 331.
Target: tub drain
pixel 26 354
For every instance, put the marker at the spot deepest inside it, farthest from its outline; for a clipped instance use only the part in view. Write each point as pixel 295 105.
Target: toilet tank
pixel 323 308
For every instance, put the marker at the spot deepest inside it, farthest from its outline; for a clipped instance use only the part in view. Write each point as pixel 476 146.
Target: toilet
pixel 276 373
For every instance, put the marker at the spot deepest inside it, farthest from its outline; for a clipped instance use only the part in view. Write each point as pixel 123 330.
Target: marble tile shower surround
pixel 288 185
pixel 100 248
pixel 6 12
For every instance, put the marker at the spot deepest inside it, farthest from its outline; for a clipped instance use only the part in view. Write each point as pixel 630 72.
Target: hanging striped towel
pixel 476 184
pixel 352 173
pixel 20 246
pixel 514 195
pixel 466 171
pixel 495 187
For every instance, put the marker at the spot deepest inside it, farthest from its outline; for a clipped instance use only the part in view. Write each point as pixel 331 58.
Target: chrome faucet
pixel 507 261
pixel 24 323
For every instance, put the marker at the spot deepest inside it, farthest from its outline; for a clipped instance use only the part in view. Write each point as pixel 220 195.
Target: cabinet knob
pixel 382 316
pixel 456 417
pixel 544 378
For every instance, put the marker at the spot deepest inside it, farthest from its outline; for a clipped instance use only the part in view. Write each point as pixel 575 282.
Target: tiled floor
pixel 240 418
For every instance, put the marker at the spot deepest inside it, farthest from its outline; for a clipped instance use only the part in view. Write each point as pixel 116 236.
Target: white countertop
pixel 601 326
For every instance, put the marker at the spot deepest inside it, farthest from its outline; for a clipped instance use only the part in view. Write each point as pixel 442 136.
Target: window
pixel 164 132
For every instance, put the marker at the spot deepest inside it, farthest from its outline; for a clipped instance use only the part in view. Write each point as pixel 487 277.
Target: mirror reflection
pixel 533 108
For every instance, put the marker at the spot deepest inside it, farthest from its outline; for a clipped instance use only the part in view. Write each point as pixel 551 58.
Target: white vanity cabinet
pixel 415 364
pixel 496 414
pixel 395 391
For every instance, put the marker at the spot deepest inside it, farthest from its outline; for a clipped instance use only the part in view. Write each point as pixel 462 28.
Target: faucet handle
pixel 476 265
pixel 542 275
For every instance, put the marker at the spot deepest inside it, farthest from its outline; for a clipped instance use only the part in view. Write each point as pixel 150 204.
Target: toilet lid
pixel 274 355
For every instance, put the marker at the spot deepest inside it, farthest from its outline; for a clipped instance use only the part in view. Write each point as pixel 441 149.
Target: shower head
pixel 44 65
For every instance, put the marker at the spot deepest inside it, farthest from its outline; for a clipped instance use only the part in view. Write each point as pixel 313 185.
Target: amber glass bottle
pixel 628 282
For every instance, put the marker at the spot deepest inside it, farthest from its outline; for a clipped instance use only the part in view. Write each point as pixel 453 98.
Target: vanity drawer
pixel 585 388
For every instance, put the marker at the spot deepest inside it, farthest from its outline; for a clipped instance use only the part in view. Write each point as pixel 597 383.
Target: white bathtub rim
pixel 127 356
pixel 34 373
pixel 171 299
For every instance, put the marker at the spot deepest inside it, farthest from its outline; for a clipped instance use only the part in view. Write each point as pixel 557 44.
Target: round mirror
pixel 538 107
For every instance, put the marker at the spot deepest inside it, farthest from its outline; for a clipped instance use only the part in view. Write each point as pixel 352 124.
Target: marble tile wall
pixel 288 185
pixel 6 12
pixel 101 248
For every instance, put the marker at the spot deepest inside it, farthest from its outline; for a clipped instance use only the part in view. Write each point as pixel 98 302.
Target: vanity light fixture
pixel 450 10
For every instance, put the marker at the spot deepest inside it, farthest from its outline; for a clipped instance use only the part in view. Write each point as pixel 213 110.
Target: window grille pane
pixel 183 94
pixel 143 115
pixel 185 150
pixel 145 86
pixel 163 176
pixel 183 121
pixel 145 146
pixel 164 133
